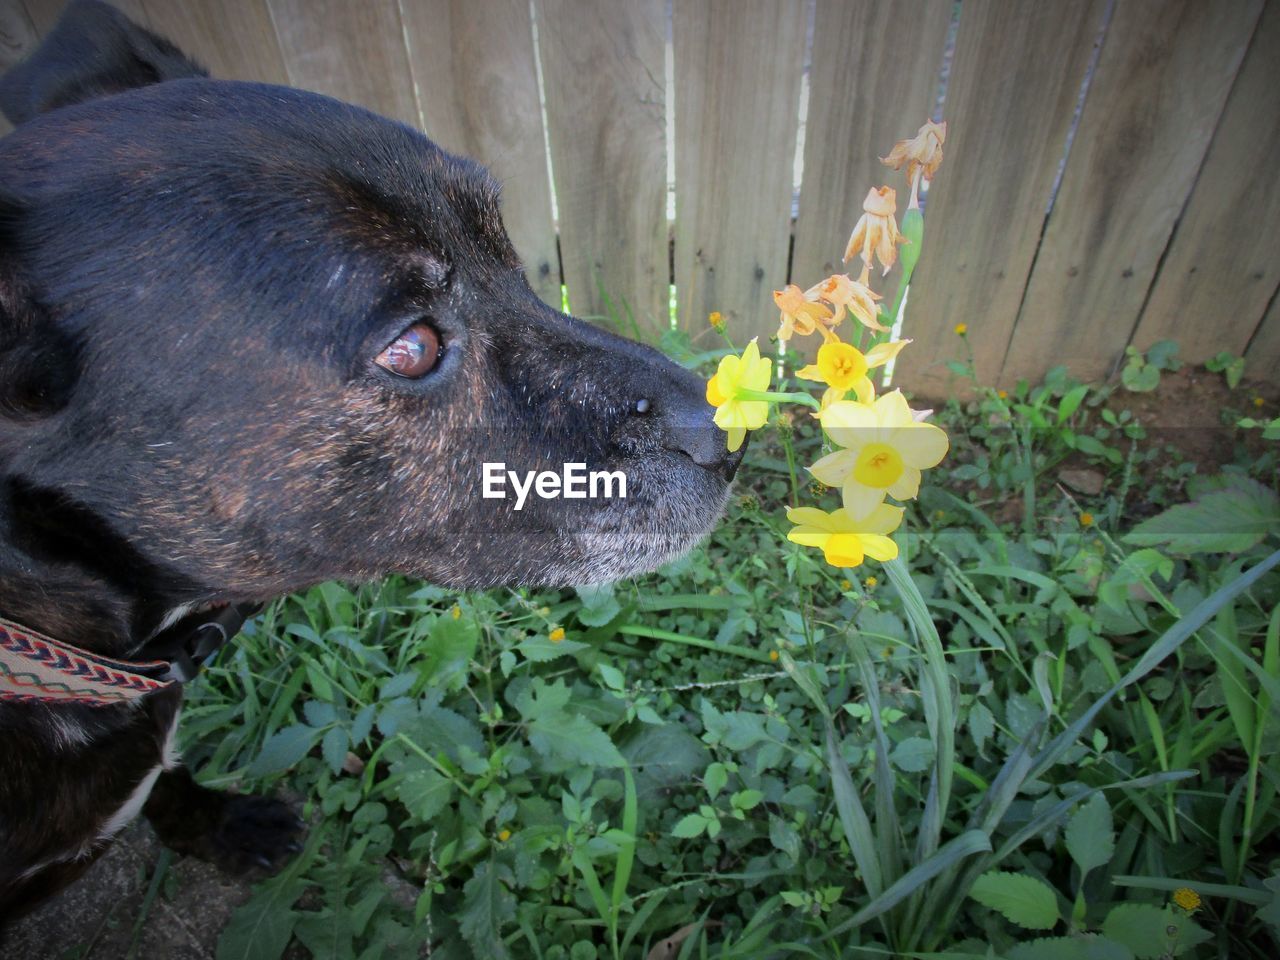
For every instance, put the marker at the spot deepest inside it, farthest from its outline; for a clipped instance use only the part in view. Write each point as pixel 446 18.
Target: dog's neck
pixel 68 602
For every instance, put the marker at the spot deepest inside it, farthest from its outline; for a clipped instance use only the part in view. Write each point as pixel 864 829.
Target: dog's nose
pixel 689 428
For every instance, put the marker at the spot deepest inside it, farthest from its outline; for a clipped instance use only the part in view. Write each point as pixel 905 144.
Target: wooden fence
pixel 1109 174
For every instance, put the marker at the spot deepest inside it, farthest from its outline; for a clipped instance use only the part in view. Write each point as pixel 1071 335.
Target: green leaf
pixel 1228 520
pixel 715 779
pixel 1140 378
pixel 575 739
pixel 912 755
pixel 1071 402
pixel 541 649
pixel 1152 932
pixel 283 749
pixel 1090 836
pixel 1087 947
pixel 488 907
pixel 423 790
pixel 689 826
pixel 334 748
pixel 599 605
pixel 1024 900
pixel 262 928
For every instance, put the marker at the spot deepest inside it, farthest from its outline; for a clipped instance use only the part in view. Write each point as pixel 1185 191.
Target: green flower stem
pixel 772 396
pixel 654 633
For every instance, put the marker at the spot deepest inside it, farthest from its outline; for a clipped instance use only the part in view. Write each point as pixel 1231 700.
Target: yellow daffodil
pixel 843 367
pixel 876 233
pixel 846 541
pixel 801 313
pixel 840 290
pixel 734 414
pixel 885 448
pixel 922 154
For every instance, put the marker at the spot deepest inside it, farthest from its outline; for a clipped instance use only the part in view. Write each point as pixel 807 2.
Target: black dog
pixel 252 339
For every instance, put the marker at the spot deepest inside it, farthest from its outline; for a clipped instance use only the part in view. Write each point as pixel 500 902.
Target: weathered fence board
pixel 17 38
pixel 354 52
pixel 473 64
pixel 1164 73
pixel 736 99
pixel 233 39
pixel 1015 81
pixel 1263 352
pixel 873 82
pixel 1222 267
pixel 45 13
pixel 603 68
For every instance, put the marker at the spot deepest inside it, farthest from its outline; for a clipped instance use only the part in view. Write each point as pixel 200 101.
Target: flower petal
pixel 922 445
pixel 810 516
pixel 892 410
pixel 843 550
pixel 860 500
pixel 883 520
pixel 882 353
pixel 878 547
pixel 907 485
pixel 835 468
pixel 736 436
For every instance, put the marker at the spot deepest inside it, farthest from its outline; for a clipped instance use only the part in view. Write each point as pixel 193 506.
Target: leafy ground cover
pixel 752 754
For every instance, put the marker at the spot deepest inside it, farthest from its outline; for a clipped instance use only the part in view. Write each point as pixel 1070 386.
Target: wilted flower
pixel 844 540
pixel 801 313
pixel 876 233
pixel 922 154
pixel 840 290
pixel 736 414
pixel 885 450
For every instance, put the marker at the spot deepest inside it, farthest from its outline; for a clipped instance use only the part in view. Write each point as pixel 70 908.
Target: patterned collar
pixel 37 669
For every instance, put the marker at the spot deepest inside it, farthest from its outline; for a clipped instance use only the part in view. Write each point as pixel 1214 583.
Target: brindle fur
pixel 195 277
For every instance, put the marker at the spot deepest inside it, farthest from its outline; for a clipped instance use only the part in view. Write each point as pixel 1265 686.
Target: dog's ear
pixel 38 360
pixel 93 51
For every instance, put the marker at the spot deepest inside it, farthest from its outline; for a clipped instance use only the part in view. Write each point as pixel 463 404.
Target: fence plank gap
pixel 352 52
pixel 1221 269
pixel 737 98
pixel 608 152
pixel 1165 71
pixel 473 64
pixel 1014 83
pixel 873 81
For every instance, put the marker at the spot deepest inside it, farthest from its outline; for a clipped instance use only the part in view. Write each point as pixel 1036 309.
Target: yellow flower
pixel 1187 899
pixel 876 233
pixel 556 635
pixel 800 312
pixel 1258 401
pixel 735 415
pixel 843 367
pixel 1086 519
pixel 456 612
pixel 885 448
pixel 961 329
pixel 504 836
pixel 840 290
pixel 922 154
pixel 870 583
pixel 846 585
pixel 773 655
pixel 716 320
pixel 844 540
pixel 1002 394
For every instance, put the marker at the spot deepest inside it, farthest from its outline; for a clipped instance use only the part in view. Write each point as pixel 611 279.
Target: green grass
pixel 1020 738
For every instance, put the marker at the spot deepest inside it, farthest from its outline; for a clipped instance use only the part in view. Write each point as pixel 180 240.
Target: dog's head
pixel 252 338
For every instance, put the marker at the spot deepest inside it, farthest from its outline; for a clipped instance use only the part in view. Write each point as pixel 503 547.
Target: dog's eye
pixel 413 354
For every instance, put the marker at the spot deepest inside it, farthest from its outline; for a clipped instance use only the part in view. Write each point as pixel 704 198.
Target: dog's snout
pixel 690 428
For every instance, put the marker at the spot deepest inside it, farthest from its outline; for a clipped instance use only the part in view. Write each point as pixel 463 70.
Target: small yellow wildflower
pixel 846 541
pixel 922 154
pixel 961 329
pixel 1002 394
pixel 876 233
pixel 843 367
pixel 800 312
pixel 870 583
pixel 556 635
pixel 734 415
pixel 716 320
pixel 840 290
pixel 846 584
pixel 456 612
pixel 1258 401
pixel 885 448
pixel 773 655
pixel 1086 519
pixel 504 835
pixel 1187 899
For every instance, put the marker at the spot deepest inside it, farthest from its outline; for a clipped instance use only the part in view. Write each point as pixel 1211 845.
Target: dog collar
pixel 38 669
